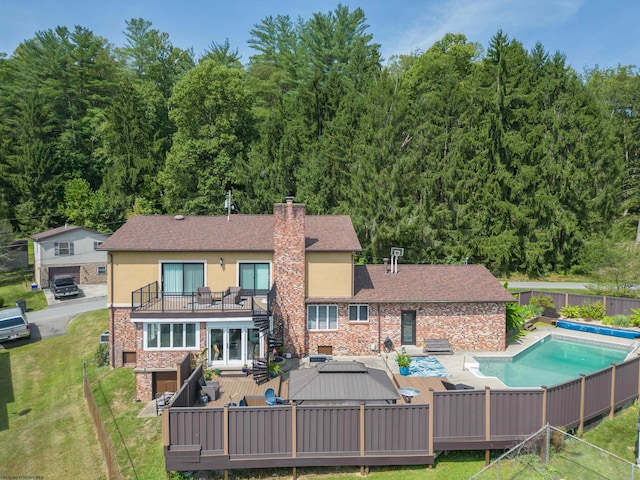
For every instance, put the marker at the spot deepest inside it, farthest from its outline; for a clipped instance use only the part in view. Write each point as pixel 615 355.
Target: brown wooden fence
pixel 613 305
pixel 367 435
pixel 108 454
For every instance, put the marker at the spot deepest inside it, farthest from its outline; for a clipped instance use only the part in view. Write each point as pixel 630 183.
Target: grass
pixel 16 285
pixel 43 417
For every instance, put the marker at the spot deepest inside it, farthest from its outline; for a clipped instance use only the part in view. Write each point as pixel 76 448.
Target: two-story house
pixel 239 285
pixel 69 250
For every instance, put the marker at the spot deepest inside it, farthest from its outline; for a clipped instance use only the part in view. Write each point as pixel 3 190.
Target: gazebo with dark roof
pixel 341 383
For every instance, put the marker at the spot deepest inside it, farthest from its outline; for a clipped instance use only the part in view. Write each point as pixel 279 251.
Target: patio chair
pixel 271 398
pixel 203 295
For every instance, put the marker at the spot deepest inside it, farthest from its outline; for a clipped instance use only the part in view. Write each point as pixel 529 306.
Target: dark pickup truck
pixel 64 286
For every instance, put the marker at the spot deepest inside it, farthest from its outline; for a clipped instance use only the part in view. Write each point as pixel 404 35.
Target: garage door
pixel 58 271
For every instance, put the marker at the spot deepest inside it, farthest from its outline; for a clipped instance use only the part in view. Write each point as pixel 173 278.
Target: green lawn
pixel 16 285
pixel 45 428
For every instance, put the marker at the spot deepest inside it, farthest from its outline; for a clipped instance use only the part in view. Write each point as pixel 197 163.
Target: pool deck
pixel 455 363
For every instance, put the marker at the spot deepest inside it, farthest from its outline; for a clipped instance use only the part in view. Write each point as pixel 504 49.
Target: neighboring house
pixel 69 250
pixel 241 285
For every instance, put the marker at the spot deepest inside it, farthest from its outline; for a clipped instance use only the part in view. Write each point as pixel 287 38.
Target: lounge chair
pixel 203 296
pixel 234 293
pixel 436 345
pixel 271 398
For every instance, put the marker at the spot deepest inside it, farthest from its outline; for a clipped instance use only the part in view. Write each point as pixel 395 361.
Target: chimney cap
pixel 288 199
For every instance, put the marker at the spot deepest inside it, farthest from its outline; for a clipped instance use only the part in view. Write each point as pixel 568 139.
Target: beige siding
pixel 133 270
pixel 329 275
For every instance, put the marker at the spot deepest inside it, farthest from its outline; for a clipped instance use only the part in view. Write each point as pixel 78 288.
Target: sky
pixel 590 33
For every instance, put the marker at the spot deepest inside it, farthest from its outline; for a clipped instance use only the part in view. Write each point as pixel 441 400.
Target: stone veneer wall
pixel 468 326
pixel 130 339
pixel 289 273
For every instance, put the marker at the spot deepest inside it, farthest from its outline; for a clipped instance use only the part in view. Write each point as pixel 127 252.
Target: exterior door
pixel 164 382
pixel 233 345
pixel 408 327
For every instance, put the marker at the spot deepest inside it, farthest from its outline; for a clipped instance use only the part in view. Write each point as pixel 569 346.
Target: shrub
pixel 101 357
pixel 617 320
pixel 593 311
pixel 542 301
pixel 635 317
pixel 1 302
pixel 514 316
pixel 570 311
pixel 530 311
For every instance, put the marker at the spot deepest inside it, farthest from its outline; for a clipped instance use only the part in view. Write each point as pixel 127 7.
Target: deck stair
pixel 260 370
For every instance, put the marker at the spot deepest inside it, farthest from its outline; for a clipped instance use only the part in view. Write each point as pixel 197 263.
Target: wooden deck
pixel 423 384
pixel 234 388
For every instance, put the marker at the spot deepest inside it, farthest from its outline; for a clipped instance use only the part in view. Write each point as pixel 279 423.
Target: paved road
pixel 552 285
pixel 53 320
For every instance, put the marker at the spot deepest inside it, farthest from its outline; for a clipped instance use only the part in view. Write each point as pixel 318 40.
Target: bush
pixel 1 302
pixel 514 316
pixel 570 311
pixel 593 311
pixel 635 317
pixel 617 321
pixel 542 301
pixel 530 311
pixel 101 357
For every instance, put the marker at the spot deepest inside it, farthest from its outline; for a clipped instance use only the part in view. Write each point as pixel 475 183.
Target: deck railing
pixel 151 299
pixel 367 435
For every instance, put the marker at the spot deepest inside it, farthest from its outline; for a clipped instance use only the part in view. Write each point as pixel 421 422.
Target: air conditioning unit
pixel 104 337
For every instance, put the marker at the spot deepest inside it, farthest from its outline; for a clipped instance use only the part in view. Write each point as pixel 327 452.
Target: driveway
pixel 53 320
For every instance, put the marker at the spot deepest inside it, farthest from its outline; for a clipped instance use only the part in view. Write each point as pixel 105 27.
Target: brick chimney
pixel 289 267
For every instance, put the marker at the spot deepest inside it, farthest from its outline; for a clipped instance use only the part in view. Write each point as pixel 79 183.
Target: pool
pixel 602 330
pixel 552 360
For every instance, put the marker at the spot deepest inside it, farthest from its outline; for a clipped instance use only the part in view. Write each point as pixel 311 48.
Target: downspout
pixel 379 332
pixel 112 332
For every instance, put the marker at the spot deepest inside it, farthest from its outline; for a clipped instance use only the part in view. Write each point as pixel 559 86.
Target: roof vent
pixel 179 217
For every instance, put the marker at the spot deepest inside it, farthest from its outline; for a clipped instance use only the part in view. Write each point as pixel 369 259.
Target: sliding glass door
pixel 182 277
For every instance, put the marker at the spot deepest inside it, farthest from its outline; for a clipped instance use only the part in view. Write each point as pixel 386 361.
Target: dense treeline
pixel 506 157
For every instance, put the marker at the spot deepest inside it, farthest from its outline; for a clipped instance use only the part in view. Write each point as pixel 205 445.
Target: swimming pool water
pixel 551 361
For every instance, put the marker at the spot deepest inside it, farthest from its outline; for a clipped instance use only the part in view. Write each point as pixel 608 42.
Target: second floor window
pixel 63 249
pixel 182 277
pixel 322 317
pixel 254 276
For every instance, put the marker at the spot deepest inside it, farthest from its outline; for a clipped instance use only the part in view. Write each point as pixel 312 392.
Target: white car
pixel 13 324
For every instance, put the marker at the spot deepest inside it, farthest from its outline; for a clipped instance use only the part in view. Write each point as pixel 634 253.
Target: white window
pixel 170 336
pixel 358 313
pixel 322 317
pixel 63 249
pixel 96 245
pixel 102 269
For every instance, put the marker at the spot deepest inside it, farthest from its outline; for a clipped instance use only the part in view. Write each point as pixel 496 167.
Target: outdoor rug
pixel 427 367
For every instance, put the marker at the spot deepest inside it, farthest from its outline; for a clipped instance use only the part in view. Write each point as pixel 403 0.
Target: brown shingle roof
pixel 428 283
pixel 239 233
